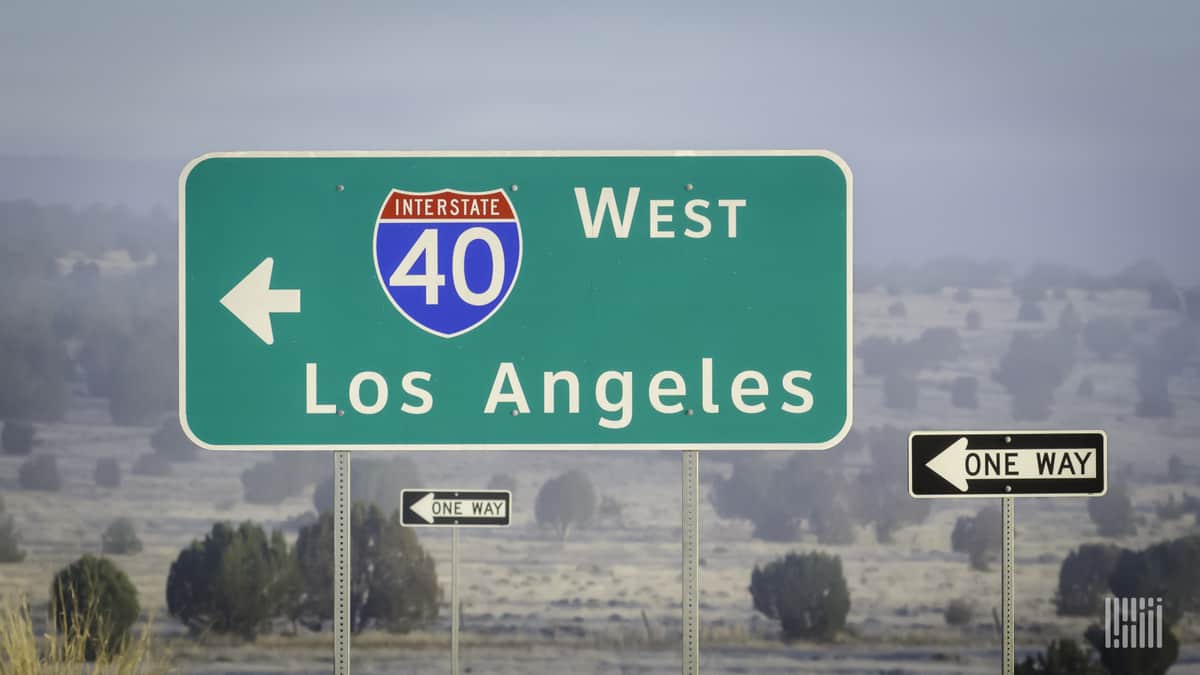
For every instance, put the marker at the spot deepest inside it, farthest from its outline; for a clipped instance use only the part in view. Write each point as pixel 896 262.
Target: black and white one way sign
pixel 456 508
pixel 1007 463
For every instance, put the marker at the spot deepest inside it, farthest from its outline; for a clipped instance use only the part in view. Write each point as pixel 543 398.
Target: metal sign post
pixel 1008 613
pixel 454 601
pixel 691 563
pixel 341 563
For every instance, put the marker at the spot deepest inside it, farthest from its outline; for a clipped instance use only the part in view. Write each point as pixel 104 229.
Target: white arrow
pixel 950 464
pixel 253 301
pixel 423 507
pixel 956 463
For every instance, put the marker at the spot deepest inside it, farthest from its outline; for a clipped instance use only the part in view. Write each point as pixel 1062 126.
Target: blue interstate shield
pixel 447 259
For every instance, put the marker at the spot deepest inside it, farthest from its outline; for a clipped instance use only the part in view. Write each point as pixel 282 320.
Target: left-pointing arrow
pixel 253 301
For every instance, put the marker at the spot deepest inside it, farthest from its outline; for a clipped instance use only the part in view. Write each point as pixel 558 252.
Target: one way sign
pixel 455 508
pixel 1007 463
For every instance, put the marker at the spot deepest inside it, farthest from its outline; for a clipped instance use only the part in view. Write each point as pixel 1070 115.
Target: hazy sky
pixel 1063 131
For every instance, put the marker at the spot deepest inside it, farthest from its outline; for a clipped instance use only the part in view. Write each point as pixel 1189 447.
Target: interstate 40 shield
pixel 501 301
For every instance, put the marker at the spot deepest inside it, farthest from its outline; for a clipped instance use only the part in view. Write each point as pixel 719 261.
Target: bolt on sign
pixel 516 301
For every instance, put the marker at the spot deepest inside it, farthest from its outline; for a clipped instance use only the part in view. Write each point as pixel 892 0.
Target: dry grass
pixel 22 652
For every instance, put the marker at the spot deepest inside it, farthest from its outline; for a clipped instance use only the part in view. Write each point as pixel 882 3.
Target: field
pixel 607 599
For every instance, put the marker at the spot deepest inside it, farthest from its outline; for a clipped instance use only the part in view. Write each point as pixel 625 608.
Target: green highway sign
pixel 515 301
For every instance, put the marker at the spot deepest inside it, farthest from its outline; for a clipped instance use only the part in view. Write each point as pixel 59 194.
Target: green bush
pixel 566 501
pixel 1122 661
pixel 393 580
pixel 170 442
pixel 897 310
pixel 1083 579
pixel 33 370
pixel 1030 311
pixel 144 383
pixel 107 473
pixel 1031 370
pixel 1169 570
pixel 979 536
pixel 959 612
pixel 973 320
pixel 40 472
pixel 1113 513
pixel 17 437
pixel 1063 657
pixel 805 593
pixel 234 581
pixel 120 538
pixel 92 597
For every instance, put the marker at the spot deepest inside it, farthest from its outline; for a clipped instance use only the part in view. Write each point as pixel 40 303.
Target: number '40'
pixel 426 246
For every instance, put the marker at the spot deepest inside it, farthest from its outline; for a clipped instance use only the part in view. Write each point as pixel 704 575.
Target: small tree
pixel 978 536
pixel 566 501
pixel 1086 388
pixel 40 473
pixel 1169 570
pixel 1083 579
pixel 1031 370
pixel 1154 395
pixel 120 538
pixel 234 581
pixel 94 599
pixel 806 593
pixel 959 612
pixel 170 442
pixel 393 580
pixel 964 392
pixel 107 473
pixel 897 310
pixel 1123 661
pixel 1113 513
pixel 1069 321
pixel 17 437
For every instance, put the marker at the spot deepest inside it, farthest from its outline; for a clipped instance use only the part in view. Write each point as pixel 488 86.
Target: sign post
pixel 1007 464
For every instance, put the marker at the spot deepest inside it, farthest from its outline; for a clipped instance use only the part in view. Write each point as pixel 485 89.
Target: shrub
pixel 107 473
pixel 973 320
pixel 1169 570
pixel 962 295
pixel 897 310
pixel 170 442
pixel 959 612
pixel 1113 513
pixel 937 345
pixel 565 501
pixel 1030 311
pixel 120 538
pixel 1069 322
pixel 33 369
pixel 882 356
pixel 143 381
pixel 1106 336
pixel 92 597
pixel 1122 661
pixel 17 438
pixel 900 391
pixel 964 392
pixel 151 464
pixel 1031 370
pixel 805 593
pixel 1164 295
pixel 979 536
pixel 1083 579
pixel 40 473
pixel 376 482
pixel 393 580
pixel 1064 657
pixel 234 581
